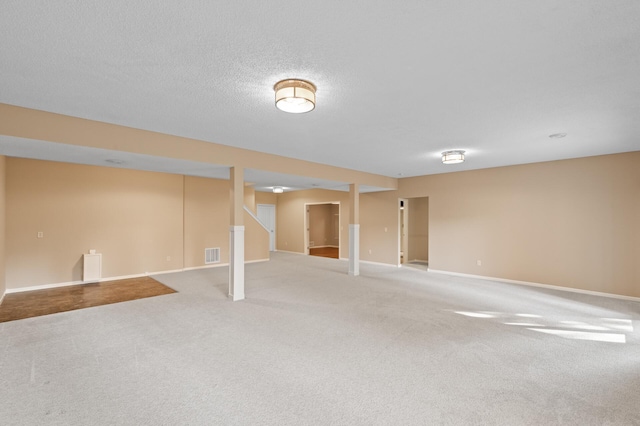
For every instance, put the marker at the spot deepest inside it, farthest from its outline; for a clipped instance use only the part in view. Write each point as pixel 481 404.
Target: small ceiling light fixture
pixel 278 190
pixel 453 157
pixel 114 161
pixel 295 96
pixel 557 135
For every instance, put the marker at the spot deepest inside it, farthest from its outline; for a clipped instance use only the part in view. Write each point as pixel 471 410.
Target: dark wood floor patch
pixel 62 299
pixel 331 252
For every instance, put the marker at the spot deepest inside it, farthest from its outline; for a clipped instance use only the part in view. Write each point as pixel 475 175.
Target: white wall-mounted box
pixel 92 269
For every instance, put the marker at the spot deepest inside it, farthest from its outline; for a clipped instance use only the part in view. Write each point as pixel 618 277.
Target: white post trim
pixel 354 249
pixel 236 262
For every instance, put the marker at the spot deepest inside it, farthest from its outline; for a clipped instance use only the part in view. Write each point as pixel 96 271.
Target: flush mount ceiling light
pixel 557 135
pixel 453 157
pixel 114 161
pixel 295 96
pixel 278 190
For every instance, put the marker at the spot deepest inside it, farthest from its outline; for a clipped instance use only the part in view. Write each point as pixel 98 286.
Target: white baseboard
pixel 291 252
pixel 532 284
pixel 214 265
pixel 68 283
pixel 370 262
pixel 43 287
pixel 217 265
pixel 126 277
pixel 256 261
pixel 121 277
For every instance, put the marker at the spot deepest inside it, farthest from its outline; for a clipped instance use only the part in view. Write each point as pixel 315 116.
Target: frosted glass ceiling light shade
pixel 295 96
pixel 278 190
pixel 453 157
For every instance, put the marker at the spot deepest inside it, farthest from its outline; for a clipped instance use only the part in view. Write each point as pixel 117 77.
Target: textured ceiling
pixel 398 82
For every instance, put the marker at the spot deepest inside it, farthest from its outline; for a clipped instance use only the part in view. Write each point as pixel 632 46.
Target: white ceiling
pixel 398 82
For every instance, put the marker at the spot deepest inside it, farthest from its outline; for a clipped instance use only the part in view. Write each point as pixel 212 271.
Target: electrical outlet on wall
pixel 479 262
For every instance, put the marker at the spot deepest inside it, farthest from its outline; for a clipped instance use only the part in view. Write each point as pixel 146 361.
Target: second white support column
pixel 354 230
pixel 354 249
pixel 236 262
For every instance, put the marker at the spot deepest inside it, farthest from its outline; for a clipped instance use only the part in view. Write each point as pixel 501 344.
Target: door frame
pixel 306 224
pixel 403 219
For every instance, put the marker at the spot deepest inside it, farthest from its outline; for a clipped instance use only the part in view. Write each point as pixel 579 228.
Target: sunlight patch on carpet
pixel 567 329
pixel 584 335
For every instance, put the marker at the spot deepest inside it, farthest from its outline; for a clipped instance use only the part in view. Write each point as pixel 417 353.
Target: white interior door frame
pixel 403 216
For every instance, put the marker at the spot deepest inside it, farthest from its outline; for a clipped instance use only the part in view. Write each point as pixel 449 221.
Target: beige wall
pixel 206 219
pixel 250 197
pixel 418 229
pixel 2 225
pixel 133 218
pixel 571 223
pixel 139 221
pixel 256 239
pixel 266 198
pixel 379 227
pixel 291 212
pixel 378 222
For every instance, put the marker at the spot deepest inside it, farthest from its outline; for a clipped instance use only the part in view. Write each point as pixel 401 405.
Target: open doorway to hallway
pixel 322 224
pixel 414 232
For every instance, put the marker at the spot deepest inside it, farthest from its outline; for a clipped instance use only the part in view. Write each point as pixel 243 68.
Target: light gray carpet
pixel 314 346
pixel 418 264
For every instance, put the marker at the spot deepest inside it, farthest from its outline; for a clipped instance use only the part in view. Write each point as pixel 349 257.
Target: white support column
pixel 236 234
pixel 354 230
pixel 354 249
pixel 236 262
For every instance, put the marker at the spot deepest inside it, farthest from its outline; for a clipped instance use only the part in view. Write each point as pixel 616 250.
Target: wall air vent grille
pixel 212 255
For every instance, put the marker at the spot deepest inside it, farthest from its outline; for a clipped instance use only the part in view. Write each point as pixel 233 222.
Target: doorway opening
pixel 413 235
pixel 322 229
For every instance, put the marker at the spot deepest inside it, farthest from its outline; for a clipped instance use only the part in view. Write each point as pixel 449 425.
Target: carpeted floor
pixel 418 264
pixel 314 346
